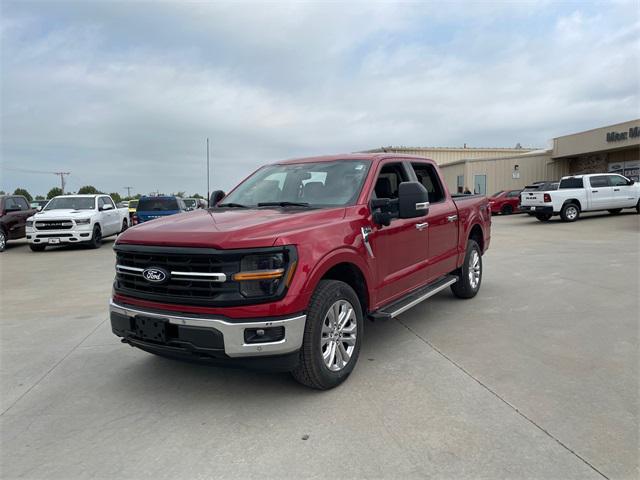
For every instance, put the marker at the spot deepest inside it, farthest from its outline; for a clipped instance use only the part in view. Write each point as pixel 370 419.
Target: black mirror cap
pixel 215 197
pixel 413 200
pixel 631 181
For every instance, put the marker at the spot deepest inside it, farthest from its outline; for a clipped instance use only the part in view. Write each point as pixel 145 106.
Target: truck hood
pixel 63 214
pixel 229 228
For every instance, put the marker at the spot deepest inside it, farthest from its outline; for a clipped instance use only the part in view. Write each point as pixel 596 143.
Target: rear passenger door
pixel 601 193
pixel 443 223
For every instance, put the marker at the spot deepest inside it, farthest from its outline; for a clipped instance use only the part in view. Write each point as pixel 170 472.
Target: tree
pixel 179 194
pixel 2 192
pixel 40 197
pixel 24 193
pixel 197 195
pixel 116 197
pixel 88 190
pixel 54 192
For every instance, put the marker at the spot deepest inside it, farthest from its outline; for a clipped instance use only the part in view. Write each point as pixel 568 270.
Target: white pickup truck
pixel 81 219
pixel 583 193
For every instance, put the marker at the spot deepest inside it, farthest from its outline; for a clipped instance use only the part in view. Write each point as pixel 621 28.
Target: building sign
pixel 633 132
pixel 628 169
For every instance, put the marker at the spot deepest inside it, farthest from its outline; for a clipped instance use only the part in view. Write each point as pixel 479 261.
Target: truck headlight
pixel 83 221
pixel 262 274
pixel 29 223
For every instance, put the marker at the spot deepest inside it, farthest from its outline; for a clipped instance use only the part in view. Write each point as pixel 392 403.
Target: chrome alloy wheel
pixel 474 269
pixel 338 339
pixel 571 212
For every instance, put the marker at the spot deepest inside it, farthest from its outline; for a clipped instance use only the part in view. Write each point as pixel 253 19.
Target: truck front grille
pixel 54 225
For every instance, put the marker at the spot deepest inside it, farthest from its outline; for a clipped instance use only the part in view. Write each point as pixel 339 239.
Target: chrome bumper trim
pixel 233 333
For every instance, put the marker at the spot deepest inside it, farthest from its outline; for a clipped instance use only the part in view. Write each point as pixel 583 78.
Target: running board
pixel 412 299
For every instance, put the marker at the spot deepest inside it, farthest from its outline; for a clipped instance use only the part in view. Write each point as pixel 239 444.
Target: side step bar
pixel 412 299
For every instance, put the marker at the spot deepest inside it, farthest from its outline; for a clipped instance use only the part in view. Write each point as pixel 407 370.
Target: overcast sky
pixel 125 93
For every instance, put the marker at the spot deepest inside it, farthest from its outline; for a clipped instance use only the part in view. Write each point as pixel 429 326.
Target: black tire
pixel 531 214
pixel 507 210
pixel 37 248
pixel 96 238
pixel 543 217
pixel 615 211
pixel 125 225
pixel 312 370
pixel 570 212
pixel 638 207
pixel 465 287
pixel 3 240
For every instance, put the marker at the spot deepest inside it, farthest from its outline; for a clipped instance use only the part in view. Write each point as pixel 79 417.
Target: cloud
pixel 125 94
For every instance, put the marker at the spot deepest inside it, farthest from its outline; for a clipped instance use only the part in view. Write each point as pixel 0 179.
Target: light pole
pixel 208 187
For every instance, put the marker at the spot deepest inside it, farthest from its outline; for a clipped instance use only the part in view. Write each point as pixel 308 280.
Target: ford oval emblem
pixel 155 275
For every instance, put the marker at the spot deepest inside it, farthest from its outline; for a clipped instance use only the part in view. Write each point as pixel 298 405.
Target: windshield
pixel 322 184
pixel 497 193
pixel 157 204
pixel 71 203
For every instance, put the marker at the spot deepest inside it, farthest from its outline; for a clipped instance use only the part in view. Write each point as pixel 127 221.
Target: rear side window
pixel 514 193
pixel 428 177
pixel 599 181
pixel 157 204
pixel 571 182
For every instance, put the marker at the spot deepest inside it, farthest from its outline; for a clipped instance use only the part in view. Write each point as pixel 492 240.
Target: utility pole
pixel 128 191
pixel 62 182
pixel 208 187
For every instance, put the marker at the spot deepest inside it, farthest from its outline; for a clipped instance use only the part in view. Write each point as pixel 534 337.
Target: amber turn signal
pixel 259 275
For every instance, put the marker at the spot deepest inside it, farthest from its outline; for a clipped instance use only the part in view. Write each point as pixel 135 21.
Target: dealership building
pixel 612 148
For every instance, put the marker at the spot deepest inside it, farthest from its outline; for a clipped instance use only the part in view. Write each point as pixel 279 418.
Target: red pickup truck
pixel 282 272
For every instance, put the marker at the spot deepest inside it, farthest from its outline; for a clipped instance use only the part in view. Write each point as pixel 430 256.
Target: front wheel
pixel 470 273
pixel 96 239
pixel 37 248
pixel 332 336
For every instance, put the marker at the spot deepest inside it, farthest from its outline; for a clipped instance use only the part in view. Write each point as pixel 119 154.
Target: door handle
pixel 452 218
pixel 422 226
pixel 616 189
pixel 594 191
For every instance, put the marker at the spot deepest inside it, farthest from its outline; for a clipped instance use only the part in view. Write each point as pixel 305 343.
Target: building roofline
pixel 532 153
pixel 597 128
pixel 449 149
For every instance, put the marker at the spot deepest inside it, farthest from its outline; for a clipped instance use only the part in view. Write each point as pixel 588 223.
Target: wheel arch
pixel 572 200
pixel 476 233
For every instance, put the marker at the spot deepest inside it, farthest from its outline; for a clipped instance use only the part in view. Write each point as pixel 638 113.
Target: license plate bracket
pixel 154 329
pixel 54 241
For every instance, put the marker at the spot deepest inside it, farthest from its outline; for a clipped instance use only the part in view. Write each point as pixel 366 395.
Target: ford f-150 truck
pixel 81 219
pixel 282 272
pixel 583 193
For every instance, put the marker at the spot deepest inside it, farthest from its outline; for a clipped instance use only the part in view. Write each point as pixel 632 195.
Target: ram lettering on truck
pixel 282 272
pixel 76 219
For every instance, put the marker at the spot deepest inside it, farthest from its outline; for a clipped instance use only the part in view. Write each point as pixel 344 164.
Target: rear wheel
pixel 570 212
pixel 332 336
pixel 3 241
pixel 507 210
pixel 37 248
pixel 638 207
pixel 470 274
pixel 125 225
pixel 96 239
pixel 543 217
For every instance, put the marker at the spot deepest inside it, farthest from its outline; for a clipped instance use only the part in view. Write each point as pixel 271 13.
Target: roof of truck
pixel 351 156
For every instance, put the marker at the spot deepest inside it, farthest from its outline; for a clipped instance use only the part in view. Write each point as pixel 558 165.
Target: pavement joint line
pixel 495 394
pixel 37 382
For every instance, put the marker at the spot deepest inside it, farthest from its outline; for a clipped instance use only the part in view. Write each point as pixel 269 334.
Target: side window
pixel 11 204
pixel 571 182
pixel 599 181
pixel 428 177
pixel 389 178
pixel 617 180
pixel 108 201
pixel 22 203
pixel 100 203
pixel 514 193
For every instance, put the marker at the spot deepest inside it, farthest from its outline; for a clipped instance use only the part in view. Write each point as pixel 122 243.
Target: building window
pixel 480 184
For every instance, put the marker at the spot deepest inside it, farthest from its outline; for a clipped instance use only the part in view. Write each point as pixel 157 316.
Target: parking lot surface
pixel 537 377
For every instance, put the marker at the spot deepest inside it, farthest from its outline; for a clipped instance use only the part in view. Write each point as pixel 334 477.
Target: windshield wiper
pixel 283 204
pixel 232 205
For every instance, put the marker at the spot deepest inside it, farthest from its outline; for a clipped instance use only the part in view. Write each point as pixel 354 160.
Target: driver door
pixel 401 249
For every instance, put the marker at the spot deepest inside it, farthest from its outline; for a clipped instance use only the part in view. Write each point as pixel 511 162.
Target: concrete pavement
pixel 537 377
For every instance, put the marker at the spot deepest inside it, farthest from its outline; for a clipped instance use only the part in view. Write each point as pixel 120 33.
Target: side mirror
pixel 413 200
pixel 38 208
pixel 631 181
pixel 106 207
pixel 215 197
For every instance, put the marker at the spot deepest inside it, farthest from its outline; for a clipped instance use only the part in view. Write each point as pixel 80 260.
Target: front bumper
pixel 204 336
pixel 54 237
